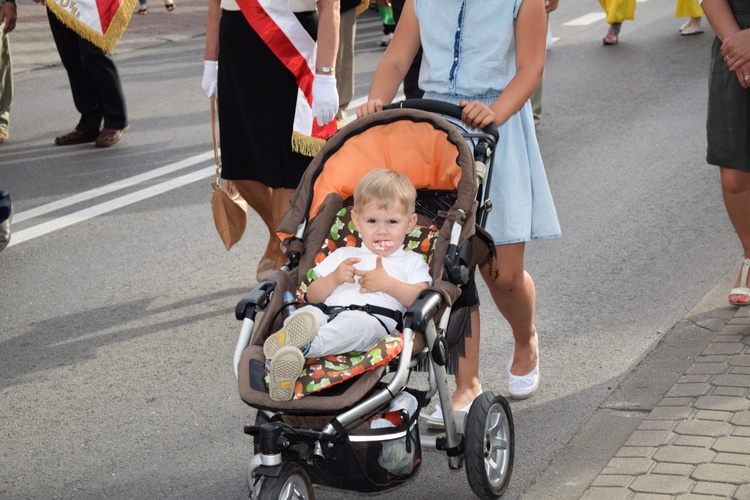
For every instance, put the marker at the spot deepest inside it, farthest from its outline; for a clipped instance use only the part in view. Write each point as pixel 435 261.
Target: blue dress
pixel 470 53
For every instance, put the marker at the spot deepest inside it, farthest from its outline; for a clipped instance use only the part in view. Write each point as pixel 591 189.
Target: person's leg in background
pixel 84 94
pixel 389 25
pixel 411 80
pixel 6 86
pixel 536 97
pixel 260 198
pixel 617 12
pixel 6 216
pixel 345 62
pixel 692 10
pixel 103 73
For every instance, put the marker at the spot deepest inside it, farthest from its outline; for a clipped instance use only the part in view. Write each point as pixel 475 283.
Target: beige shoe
pixel 286 368
pixel 298 332
pixel 3 135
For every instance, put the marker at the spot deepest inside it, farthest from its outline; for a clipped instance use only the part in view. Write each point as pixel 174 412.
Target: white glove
pixel 325 98
pixel 210 75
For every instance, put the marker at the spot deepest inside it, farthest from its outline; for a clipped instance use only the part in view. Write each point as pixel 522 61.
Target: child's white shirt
pixel 408 267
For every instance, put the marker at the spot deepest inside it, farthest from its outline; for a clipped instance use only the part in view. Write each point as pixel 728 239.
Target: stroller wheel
pixel 489 445
pixel 292 484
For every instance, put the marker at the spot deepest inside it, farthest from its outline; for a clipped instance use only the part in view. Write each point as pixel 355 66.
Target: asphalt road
pixel 116 305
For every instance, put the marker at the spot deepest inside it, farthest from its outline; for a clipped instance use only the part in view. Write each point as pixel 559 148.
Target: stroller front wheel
pixel 292 484
pixel 489 445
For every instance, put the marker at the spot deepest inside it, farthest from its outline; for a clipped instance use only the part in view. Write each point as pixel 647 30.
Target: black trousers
pixel 94 81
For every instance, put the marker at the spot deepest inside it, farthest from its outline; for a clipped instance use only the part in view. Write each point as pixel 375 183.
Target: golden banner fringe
pixel 306 145
pixel 107 41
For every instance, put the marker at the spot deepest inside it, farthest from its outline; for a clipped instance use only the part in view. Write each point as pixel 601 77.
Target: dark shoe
pixel 169 7
pixel 74 137
pixel 109 137
pixel 143 11
pixel 5 230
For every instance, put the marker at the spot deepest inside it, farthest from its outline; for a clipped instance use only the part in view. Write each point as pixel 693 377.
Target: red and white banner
pixel 101 22
pixel 279 28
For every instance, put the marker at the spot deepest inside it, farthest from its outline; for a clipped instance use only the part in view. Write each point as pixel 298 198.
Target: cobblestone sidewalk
pixel 695 444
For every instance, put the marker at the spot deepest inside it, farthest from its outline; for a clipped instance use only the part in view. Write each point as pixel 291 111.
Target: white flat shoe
pixel 692 30
pixel 523 386
pixel 435 419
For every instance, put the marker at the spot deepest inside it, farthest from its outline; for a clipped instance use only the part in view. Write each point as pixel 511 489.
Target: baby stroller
pixel 327 436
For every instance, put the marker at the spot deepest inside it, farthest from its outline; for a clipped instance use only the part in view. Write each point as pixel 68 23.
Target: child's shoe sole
pixel 298 332
pixel 286 368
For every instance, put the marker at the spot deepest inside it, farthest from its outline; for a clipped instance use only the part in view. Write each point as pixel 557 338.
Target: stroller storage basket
pixel 371 460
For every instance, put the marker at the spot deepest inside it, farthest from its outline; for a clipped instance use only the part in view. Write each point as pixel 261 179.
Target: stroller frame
pixel 481 439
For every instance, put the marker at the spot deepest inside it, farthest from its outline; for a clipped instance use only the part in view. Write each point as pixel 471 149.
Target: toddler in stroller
pixel 325 433
pixel 359 292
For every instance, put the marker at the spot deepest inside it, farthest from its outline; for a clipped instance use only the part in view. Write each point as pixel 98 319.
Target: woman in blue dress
pixel 488 57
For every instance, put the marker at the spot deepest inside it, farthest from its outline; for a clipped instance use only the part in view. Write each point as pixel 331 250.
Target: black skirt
pixel 257 98
pixel 728 123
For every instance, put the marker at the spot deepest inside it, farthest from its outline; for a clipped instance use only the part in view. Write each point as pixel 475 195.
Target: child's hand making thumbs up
pixel 376 280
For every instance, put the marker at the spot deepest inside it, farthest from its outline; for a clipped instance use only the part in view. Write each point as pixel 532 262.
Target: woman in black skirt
pixel 728 123
pixel 257 106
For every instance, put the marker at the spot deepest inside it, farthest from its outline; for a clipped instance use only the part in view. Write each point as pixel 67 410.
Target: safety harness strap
pixel 333 311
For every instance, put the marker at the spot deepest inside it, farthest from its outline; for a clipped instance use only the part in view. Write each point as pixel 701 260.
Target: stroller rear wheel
pixel 292 484
pixel 489 445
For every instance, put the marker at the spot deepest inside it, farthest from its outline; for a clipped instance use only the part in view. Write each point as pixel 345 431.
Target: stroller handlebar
pixel 439 107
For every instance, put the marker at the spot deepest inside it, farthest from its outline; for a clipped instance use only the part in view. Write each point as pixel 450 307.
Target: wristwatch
pixel 325 70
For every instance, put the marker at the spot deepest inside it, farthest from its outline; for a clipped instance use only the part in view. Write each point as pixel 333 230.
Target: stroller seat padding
pixel 322 373
pixel 346 394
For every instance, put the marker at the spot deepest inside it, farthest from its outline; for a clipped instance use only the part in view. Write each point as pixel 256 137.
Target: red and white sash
pixel 101 22
pixel 279 28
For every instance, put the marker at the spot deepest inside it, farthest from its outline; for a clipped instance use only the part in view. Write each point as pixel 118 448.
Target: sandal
pixel 741 293
pixel 143 11
pixel 612 37
pixel 169 7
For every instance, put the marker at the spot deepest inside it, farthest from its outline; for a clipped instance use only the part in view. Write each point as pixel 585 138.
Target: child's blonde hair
pixel 384 188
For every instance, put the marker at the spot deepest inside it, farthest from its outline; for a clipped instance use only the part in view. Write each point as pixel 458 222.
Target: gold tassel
pixel 107 41
pixel 306 145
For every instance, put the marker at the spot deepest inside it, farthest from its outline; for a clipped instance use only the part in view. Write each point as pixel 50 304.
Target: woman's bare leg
pixel 514 295
pixel 259 197
pixel 467 375
pixel 279 202
pixel 735 188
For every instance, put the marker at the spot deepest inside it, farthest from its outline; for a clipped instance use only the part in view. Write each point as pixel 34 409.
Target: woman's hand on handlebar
pixel 476 115
pixel 370 107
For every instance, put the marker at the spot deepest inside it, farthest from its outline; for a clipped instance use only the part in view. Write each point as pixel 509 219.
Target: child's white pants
pixel 348 331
